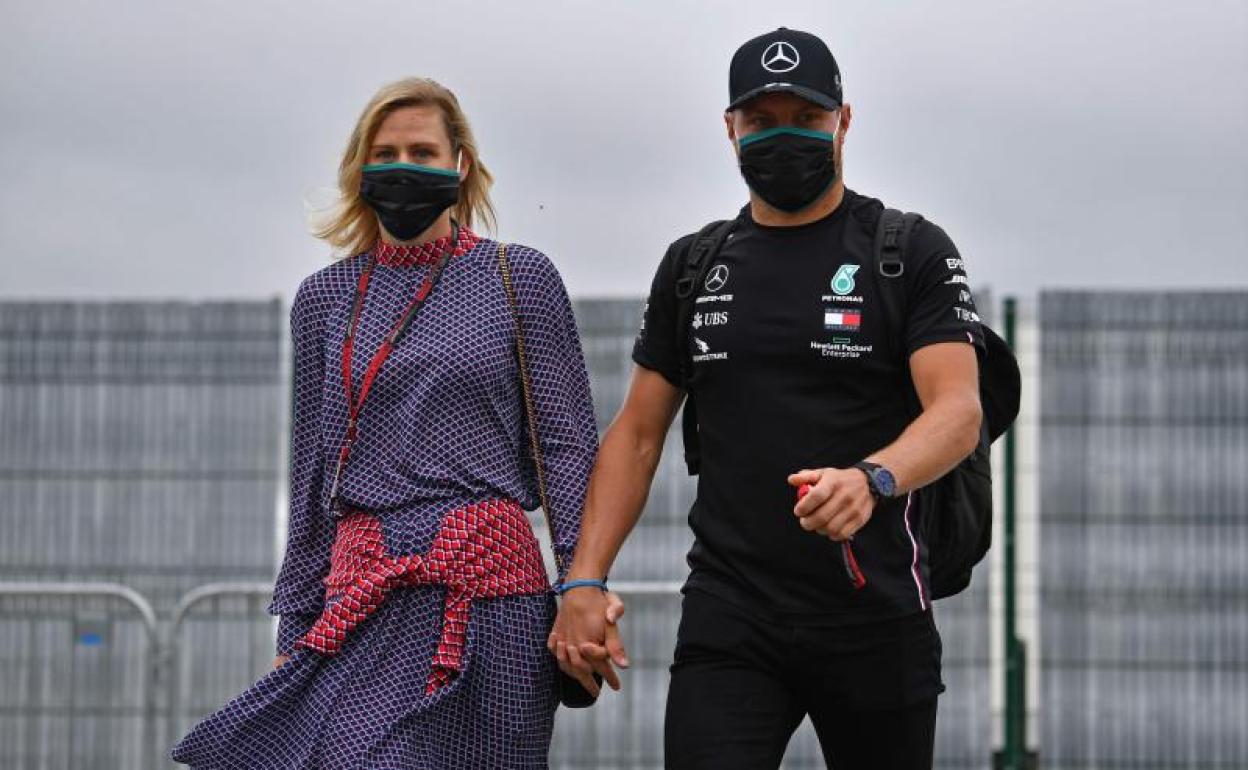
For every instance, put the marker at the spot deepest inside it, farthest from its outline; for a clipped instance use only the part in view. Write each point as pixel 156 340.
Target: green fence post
pixel 1013 755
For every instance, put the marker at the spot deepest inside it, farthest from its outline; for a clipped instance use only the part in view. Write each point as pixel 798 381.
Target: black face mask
pixel 408 198
pixel 788 167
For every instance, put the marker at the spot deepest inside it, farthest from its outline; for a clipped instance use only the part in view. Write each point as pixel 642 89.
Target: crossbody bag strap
pixel 530 411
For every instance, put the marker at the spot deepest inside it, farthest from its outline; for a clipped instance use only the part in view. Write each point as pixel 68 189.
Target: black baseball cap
pixel 786 60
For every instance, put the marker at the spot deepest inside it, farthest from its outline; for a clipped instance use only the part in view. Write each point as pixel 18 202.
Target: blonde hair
pixel 351 225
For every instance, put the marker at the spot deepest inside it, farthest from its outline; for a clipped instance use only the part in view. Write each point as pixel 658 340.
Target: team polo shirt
pixel 793 367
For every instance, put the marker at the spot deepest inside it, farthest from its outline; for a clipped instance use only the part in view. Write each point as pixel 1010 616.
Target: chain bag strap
pixel 571 692
pixel 530 411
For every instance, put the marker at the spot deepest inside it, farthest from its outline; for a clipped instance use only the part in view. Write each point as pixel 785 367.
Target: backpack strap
pixel 694 263
pixel 697 259
pixel 892 236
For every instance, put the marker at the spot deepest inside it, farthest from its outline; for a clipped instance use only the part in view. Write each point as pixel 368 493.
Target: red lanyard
pixel 379 358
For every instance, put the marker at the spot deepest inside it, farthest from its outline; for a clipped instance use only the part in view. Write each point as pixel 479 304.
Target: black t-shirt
pixel 794 367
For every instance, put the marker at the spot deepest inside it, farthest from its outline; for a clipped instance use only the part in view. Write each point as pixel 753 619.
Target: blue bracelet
pixel 563 588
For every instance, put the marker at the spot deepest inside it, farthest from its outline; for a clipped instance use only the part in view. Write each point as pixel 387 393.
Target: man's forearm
pixel 617 493
pixel 940 438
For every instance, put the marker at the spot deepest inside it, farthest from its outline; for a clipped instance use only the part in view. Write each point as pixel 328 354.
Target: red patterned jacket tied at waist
pixel 484 550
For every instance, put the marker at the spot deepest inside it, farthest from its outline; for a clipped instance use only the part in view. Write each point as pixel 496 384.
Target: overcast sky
pixel 170 149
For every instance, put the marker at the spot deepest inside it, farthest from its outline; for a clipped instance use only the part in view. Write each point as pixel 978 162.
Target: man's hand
pixel 838 504
pixel 280 661
pixel 586 639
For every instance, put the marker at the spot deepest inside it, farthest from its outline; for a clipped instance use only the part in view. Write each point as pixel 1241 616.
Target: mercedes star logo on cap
pixel 780 57
pixel 784 61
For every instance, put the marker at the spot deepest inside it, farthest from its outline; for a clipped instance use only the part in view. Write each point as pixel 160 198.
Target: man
pixel 818 606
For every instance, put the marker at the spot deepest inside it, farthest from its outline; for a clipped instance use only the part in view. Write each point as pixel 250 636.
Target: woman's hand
pixel 280 660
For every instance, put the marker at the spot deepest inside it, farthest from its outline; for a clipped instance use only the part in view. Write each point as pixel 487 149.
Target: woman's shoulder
pixel 527 263
pixel 319 292
pixel 331 281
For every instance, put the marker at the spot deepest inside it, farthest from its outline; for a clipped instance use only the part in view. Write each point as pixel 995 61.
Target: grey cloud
pixel 165 149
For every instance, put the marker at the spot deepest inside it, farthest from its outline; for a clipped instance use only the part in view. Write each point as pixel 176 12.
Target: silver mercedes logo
pixel 716 279
pixel 780 57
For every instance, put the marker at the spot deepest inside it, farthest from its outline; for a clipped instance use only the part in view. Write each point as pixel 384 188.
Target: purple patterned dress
pixel 442 431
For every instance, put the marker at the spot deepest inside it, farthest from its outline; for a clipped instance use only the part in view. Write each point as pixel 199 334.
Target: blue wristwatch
pixel 881 480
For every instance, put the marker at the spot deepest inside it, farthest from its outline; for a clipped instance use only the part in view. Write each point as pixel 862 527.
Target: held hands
pixel 838 503
pixel 585 638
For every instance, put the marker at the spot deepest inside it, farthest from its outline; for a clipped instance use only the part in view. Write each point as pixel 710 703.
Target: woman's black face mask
pixel 408 198
pixel 788 167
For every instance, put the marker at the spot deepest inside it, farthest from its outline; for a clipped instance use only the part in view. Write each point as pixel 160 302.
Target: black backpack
pixel 957 508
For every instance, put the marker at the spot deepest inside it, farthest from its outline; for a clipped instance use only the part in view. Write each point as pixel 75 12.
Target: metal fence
pixel 218 641
pixel 74 693
pixel 1144 521
pixel 157 430
pixel 139 446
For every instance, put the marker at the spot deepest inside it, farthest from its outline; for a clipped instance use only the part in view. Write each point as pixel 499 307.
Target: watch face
pixel 885 482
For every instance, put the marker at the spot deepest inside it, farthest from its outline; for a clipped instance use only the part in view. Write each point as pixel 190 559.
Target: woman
pixel 414 606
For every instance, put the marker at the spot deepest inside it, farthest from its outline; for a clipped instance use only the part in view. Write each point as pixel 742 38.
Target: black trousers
pixel 741 685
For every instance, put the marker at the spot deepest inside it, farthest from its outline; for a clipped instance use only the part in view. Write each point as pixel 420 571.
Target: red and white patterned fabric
pixel 483 551
pixel 406 255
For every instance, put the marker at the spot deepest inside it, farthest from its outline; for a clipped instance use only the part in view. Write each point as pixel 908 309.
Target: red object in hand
pixel 847 552
pixel 851 565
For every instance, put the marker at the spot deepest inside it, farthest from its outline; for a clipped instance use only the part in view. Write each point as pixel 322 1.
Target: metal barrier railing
pixel 148 616
pixel 163 651
pixel 175 691
pixel 170 658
